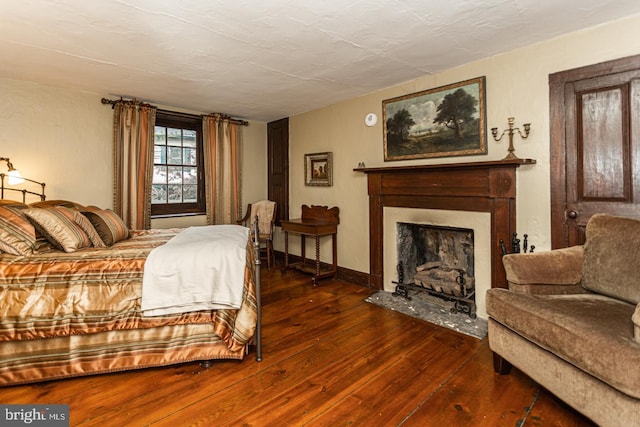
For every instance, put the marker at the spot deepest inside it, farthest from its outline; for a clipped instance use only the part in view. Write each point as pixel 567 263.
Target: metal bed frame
pixel 24 191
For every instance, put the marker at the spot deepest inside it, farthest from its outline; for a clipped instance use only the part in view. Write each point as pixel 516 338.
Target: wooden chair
pixel 266 212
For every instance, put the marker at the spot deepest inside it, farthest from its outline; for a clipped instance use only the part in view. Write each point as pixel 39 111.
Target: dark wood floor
pixel 329 359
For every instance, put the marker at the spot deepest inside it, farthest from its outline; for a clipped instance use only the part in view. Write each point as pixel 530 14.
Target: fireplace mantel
pixel 475 186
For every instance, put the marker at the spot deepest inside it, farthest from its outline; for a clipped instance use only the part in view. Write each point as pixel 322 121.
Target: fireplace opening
pixel 438 260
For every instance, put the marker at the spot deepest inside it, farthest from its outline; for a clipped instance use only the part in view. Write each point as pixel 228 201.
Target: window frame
pixel 171 119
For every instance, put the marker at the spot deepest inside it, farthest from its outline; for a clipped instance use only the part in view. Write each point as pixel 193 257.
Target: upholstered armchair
pixel 571 321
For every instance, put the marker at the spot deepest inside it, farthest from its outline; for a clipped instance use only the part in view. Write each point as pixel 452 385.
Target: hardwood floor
pixel 329 359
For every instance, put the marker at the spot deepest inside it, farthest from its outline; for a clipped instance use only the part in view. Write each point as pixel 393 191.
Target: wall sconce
pixel 14 174
pixel 510 132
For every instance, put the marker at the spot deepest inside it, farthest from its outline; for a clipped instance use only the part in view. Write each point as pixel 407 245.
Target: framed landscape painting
pixel 441 122
pixel 318 169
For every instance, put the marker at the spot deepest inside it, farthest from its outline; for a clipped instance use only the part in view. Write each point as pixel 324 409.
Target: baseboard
pixel 346 274
pixel 353 276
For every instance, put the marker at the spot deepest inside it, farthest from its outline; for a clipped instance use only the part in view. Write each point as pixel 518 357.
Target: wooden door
pixel 278 166
pixel 595 146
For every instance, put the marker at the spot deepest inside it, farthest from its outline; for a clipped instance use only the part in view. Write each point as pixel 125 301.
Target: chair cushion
pixel 611 255
pixel 585 330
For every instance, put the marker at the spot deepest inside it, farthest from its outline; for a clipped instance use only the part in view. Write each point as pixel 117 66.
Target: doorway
pixel 595 146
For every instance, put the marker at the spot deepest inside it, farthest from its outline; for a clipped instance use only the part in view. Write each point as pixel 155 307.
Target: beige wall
pixel 60 137
pixel 64 138
pixel 516 86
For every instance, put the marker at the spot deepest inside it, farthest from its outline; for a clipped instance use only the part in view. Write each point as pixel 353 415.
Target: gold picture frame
pixel 318 169
pixel 442 122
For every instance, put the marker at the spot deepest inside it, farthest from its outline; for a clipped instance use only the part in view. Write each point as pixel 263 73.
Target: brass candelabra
pixel 511 131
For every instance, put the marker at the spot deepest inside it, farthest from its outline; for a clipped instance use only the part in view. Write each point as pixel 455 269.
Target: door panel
pixel 599 180
pixel 602 144
pixel 278 166
pixel 595 123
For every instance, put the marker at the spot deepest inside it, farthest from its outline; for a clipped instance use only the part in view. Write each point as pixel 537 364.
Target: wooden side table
pixel 316 221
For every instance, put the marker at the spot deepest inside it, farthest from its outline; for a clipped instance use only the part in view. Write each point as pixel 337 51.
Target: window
pixel 178 183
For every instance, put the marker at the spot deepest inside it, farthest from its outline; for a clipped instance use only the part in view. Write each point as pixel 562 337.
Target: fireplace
pixel 430 253
pixel 439 261
pixel 479 223
pixel 469 188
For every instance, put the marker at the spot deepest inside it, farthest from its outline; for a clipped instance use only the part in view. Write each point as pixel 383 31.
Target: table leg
pixel 317 275
pixel 286 251
pixel 335 254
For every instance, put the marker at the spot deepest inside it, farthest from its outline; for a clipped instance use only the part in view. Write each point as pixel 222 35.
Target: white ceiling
pixel 268 59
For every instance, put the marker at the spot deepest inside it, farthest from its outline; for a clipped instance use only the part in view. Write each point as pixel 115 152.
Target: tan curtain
pixel 222 165
pixel 133 138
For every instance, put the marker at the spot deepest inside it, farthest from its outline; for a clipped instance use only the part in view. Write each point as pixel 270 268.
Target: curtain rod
pixel 217 116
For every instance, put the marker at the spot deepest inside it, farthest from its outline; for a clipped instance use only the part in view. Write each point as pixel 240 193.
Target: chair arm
pixel 636 323
pixel 243 221
pixel 558 271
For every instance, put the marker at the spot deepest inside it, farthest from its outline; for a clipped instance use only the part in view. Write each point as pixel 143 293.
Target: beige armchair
pixel 265 210
pixel 571 321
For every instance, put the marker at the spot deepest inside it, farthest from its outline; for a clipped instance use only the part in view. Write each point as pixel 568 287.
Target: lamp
pixel 510 132
pixel 14 174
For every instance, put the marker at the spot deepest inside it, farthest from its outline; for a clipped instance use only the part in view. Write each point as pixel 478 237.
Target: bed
pixel 67 312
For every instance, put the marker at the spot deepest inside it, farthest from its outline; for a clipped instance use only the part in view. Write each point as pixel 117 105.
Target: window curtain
pixel 222 165
pixel 133 130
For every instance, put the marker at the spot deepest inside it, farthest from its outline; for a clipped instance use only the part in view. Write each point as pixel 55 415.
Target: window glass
pixel 177 187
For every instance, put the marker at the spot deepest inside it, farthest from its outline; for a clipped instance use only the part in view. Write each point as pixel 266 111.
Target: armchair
pixel 266 212
pixel 570 320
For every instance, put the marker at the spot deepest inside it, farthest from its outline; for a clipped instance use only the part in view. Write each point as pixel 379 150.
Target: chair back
pixel 266 212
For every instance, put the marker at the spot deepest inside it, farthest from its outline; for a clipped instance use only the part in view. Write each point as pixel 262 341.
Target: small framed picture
pixel 318 169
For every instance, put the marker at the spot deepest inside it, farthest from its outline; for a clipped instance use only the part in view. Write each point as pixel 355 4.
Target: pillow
pixel 58 226
pixel 12 203
pixel 88 228
pixel 108 224
pixel 78 218
pixel 52 203
pixel 17 235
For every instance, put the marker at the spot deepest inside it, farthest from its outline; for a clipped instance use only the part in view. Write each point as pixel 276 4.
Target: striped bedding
pixel 69 314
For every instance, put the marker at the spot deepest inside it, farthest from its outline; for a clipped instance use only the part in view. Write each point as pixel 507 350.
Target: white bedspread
pixel 201 268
